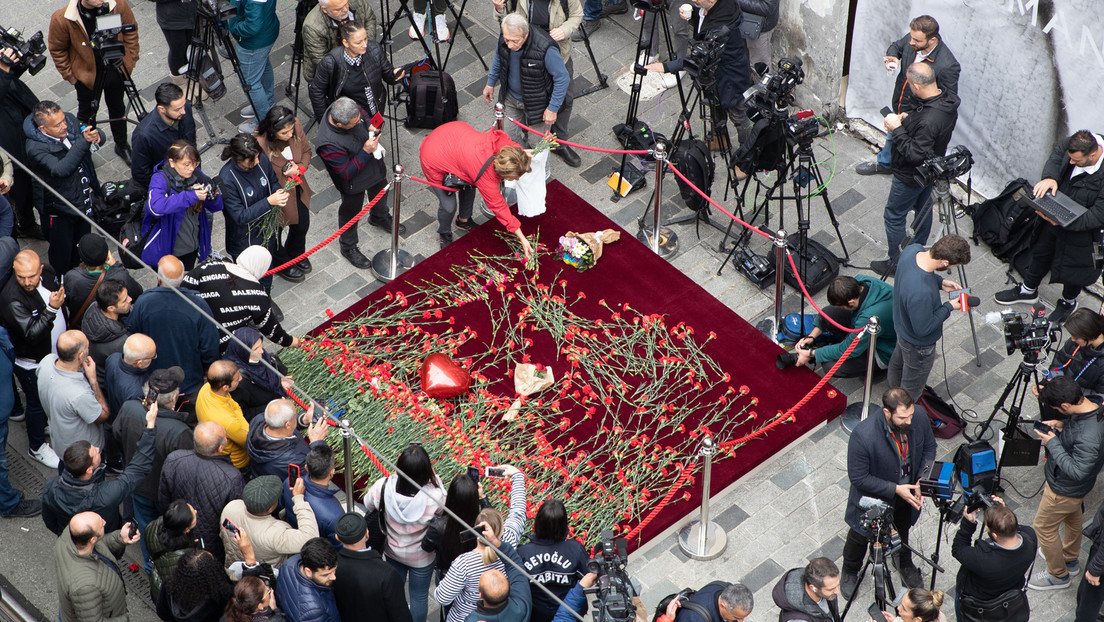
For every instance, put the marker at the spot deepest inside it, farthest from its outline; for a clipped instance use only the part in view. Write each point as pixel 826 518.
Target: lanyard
pixel 1070 360
pixel 902 449
pixel 1087 365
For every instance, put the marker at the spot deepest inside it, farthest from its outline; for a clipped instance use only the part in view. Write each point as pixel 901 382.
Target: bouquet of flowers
pixel 266 226
pixel 583 250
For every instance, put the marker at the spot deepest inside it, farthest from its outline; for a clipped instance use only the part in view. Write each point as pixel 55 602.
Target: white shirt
pixel 1089 170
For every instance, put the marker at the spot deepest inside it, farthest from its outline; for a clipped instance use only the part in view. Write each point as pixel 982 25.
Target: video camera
pixel 956 163
pixel 614 591
pixel 974 473
pixel 29 53
pixel 1030 337
pixel 703 55
pixel 774 93
pixel 105 38
pixel 877 522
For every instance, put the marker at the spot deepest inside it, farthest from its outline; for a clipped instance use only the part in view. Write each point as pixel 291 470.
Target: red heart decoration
pixel 441 378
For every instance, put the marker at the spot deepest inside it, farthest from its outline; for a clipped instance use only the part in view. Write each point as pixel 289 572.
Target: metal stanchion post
pixel 703 539
pixel 858 412
pixel 780 265
pixel 389 263
pixel 500 117
pixel 347 445
pixel 662 240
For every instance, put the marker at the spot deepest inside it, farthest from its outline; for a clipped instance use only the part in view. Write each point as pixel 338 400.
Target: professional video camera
pixel 29 53
pixel 1030 337
pixel 703 54
pixel 972 476
pixel 774 93
pixel 956 163
pixel 650 5
pixel 614 591
pixel 106 36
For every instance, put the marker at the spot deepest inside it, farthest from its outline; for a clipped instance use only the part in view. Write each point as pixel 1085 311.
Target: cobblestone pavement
pixel 786 511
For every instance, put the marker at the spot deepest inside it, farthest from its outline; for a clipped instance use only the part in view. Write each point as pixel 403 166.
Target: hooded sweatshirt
pixel 790 596
pixel 105 337
pixel 407 518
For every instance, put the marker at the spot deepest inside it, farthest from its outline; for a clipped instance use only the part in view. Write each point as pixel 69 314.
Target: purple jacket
pixel 164 213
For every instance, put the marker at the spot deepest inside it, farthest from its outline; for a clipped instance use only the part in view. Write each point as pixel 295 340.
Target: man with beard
pixel 885 456
pixel 919 308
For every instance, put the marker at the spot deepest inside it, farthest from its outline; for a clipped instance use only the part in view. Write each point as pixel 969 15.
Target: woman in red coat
pixel 483 159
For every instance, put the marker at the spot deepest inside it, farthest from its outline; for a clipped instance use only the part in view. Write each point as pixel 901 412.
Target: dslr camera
pixel 29 53
pixel 212 189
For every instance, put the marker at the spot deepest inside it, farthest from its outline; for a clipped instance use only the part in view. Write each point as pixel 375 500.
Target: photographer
pixel 1082 357
pixel 712 17
pixel 990 567
pixel 853 300
pixel 1075 453
pixel 79 61
pixel 809 594
pixel 17 101
pixel 885 456
pixel 1074 169
pixel 180 200
pixel 918 136
pixel 727 602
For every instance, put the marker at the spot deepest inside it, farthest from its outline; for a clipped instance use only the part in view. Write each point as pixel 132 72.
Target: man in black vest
pixel 534 81
pixel 350 148
pixel 1075 168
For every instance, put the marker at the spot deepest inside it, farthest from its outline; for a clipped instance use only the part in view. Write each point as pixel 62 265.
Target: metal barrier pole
pixel 652 237
pixel 347 445
pixel 703 539
pixel 856 412
pixel 779 279
pixel 500 117
pixel 389 263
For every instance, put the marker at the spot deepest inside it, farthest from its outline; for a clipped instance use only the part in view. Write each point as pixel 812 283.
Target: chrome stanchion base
pixel 852 415
pixel 715 544
pixel 381 264
pixel 668 240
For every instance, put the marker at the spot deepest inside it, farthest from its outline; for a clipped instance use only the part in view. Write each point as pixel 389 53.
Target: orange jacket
pixel 71 48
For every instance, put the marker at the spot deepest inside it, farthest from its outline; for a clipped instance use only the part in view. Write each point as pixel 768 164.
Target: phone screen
pixel 875 612
pixel 493 472
pixel 228 526
pixel 293 475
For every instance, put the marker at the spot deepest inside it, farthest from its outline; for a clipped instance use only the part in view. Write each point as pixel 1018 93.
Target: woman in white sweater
pixel 459 589
pixel 408 510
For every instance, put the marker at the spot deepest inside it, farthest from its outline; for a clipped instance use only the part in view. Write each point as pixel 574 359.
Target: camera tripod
pixel 659 9
pixel 884 592
pixel 113 61
pixel 437 61
pixel 1026 376
pixel 208 34
pixel 302 8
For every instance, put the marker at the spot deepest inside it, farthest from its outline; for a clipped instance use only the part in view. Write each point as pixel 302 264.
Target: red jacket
pixel 462 150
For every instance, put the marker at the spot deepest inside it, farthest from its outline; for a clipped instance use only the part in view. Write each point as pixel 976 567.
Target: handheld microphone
pixel 969 302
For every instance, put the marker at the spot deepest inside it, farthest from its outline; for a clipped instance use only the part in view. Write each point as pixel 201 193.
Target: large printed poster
pixel 1032 73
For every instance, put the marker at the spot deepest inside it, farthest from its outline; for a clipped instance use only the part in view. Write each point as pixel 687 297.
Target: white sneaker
pixel 670 80
pixel 247 112
pixel 18 418
pixel 442 27
pixel 420 21
pixel 45 455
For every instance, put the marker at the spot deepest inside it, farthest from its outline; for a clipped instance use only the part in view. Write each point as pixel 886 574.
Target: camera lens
pixel 786 359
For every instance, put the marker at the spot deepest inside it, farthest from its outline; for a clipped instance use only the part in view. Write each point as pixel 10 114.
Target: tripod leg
pixel 602 83
pixel 630 113
pixel 464 29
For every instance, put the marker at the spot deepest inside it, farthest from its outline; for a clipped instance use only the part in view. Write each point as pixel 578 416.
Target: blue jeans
pixel 257 71
pixel 420 578
pixel 909 367
pixel 592 10
pixel 886 154
pixel 903 199
pixel 9 499
pixel 36 417
pixel 145 512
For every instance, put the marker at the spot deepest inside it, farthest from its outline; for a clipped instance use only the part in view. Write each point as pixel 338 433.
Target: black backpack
pixel 1006 224
pixel 638 136
pixel 817 267
pixel 431 101
pixel 706 615
pixel 122 200
pixel 692 159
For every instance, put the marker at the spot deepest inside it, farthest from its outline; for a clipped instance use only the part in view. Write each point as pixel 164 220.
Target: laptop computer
pixel 1059 207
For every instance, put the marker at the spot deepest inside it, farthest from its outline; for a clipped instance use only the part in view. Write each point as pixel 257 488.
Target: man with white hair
pixel 275 441
pixel 128 371
pixel 185 336
pixel 534 81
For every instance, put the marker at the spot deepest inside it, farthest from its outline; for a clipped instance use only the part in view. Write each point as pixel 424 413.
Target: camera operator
pixel 728 602
pixel 921 45
pixel 320 29
pixel 733 77
pixel 917 137
pixel 1082 357
pixel 1074 169
pixel 990 567
pixel 80 63
pixel 853 300
pixel 60 151
pixel 809 594
pixel 885 456
pixel 17 101
pixel 1075 453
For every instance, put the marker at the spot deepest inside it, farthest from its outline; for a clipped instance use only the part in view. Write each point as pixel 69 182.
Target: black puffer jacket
pixel 924 133
pixel 28 318
pixel 1075 456
pixel 206 482
pixel 332 73
pixel 1073 263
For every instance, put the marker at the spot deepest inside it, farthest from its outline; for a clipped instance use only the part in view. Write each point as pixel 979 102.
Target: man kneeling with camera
pixel 853 300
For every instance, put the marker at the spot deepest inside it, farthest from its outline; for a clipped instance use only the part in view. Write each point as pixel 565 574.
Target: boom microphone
pixel 870 503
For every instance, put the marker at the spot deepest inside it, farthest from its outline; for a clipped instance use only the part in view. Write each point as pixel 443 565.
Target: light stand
pixel 944 206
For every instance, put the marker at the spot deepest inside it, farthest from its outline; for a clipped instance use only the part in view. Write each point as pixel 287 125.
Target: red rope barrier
pixel 804 291
pixel 662 504
pixel 583 147
pixel 431 184
pixel 333 237
pixel 715 204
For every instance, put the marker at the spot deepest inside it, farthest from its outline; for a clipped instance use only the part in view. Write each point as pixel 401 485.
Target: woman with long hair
pixel 280 130
pixel 253 601
pixel 177 217
pixel 407 509
pixel 168 537
pixel 552 559
pixel 250 191
pixel 197 590
pixel 447 537
pixel 459 589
